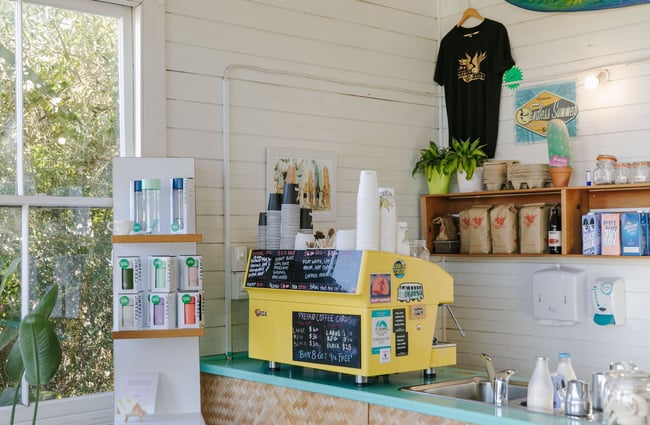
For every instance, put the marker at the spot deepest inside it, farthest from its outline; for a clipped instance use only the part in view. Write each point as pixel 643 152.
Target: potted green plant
pixel 467 158
pixel 36 352
pixel 433 163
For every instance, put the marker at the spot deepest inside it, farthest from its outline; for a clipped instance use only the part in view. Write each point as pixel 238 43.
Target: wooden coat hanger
pixel 470 12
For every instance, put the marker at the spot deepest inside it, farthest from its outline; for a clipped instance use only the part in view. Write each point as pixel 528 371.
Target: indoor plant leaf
pixel 40 349
pixel 14 365
pixel 47 302
pixel 9 333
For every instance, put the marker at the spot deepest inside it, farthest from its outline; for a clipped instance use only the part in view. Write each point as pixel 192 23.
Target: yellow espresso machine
pixel 363 313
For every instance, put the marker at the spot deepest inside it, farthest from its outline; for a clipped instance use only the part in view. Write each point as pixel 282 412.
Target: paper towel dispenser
pixel 559 295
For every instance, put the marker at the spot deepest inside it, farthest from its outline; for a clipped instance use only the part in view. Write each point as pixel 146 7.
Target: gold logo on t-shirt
pixel 469 68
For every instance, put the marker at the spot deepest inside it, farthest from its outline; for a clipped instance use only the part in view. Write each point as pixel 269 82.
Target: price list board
pixel 318 270
pixel 326 338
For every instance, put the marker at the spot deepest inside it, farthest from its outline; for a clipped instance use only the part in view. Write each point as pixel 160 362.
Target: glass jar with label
pixel 604 172
pixel 622 173
pixel 640 171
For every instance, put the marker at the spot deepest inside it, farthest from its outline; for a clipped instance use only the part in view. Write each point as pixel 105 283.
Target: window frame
pixel 142 53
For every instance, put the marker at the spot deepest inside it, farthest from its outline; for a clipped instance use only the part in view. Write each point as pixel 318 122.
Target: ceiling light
pixel 592 81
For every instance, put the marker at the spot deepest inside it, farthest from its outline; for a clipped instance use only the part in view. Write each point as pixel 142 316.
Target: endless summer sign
pixel 535 114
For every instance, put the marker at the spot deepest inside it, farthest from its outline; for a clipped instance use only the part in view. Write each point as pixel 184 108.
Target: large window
pixel 62 120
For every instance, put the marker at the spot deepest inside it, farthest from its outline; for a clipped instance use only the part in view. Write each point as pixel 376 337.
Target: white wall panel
pixel 377 109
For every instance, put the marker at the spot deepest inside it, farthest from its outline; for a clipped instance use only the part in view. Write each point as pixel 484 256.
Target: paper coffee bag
pixel 480 240
pixel 503 225
pixel 533 228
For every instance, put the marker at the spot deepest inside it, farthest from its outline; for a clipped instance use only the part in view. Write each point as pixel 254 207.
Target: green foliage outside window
pixel 70 136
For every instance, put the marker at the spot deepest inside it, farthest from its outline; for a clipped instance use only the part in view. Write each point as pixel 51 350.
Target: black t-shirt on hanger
pixel 471 63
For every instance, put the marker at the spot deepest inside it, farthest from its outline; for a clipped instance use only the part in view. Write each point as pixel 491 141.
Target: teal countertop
pixel 384 390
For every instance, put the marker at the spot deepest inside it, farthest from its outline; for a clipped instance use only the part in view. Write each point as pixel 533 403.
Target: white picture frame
pixel 316 178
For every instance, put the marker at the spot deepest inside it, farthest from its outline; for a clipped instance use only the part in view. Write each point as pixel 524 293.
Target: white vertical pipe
pixel 226 211
pixel 225 98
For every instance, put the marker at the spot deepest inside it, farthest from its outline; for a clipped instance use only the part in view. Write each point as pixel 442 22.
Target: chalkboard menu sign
pixel 319 270
pixel 326 338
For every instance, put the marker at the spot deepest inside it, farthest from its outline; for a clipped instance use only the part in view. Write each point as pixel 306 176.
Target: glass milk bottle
pixel 565 367
pixel 540 387
pixel 151 195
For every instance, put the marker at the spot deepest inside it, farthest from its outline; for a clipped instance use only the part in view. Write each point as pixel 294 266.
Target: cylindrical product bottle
pixel 138 207
pixel 540 387
pixel 565 367
pixel 178 219
pixel 555 232
pixel 151 192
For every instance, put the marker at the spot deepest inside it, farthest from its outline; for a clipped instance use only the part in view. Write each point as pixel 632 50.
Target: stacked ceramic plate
pixel 528 176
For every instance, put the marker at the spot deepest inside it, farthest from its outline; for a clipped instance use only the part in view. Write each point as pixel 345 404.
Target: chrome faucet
pixel 489 368
pixel 498 381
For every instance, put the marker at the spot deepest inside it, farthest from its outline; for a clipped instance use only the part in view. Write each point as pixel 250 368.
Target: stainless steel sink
pixel 475 389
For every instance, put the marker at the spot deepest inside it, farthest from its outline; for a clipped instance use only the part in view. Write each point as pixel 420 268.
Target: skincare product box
pixel 610 228
pixel 591 234
pixel 190 309
pixel 163 273
pixel 183 205
pixel 128 275
pixel 130 311
pixel 161 310
pixel 190 272
pixel 633 229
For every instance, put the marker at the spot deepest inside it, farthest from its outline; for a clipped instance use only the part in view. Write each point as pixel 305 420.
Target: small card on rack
pixel 135 394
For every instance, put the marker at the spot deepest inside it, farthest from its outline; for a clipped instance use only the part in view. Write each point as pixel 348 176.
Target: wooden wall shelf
pixel 574 201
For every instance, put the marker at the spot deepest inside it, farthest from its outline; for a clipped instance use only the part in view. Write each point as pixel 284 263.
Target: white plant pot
pixel 475 184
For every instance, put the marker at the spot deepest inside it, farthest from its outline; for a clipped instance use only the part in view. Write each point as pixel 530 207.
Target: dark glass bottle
pixel 555 232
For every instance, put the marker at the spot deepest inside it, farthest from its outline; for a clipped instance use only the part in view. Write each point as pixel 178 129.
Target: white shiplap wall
pixel 355 78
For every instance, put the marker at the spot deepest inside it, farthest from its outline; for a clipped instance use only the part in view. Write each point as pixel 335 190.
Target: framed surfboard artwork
pixel 573 5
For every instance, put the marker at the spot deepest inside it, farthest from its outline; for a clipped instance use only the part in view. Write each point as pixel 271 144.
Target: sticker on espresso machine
pixel 380 288
pixel 381 332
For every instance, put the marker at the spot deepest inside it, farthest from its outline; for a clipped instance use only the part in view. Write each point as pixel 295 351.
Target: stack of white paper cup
pixel 290 218
pixel 387 220
pixel 346 239
pixel 368 212
pixel 273 213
